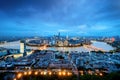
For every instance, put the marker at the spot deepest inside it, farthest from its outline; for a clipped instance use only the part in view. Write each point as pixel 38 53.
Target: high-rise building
pixel 59 35
pixel 67 37
pixel 23 47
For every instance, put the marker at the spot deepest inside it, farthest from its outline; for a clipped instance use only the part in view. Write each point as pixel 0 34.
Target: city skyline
pixel 70 17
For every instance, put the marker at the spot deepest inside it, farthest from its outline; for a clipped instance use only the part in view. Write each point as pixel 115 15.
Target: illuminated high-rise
pixel 23 47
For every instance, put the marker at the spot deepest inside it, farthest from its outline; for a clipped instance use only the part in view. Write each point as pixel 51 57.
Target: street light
pixel 36 73
pixel 25 73
pixel 45 73
pixel 101 74
pixel 14 79
pixel 19 75
pixel 68 73
pixel 50 73
pixel 64 73
pixel 29 72
pixel 41 73
pixel 59 73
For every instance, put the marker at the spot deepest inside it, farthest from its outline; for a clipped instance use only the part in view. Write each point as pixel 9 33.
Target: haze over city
pixel 70 17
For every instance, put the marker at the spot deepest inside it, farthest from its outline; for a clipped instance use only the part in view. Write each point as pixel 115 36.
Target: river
pixel 103 45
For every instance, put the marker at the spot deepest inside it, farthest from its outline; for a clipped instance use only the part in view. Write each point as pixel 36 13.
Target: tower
pixel 59 35
pixel 23 47
pixel 67 37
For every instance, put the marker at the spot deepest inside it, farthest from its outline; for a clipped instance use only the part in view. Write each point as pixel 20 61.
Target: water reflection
pixel 103 45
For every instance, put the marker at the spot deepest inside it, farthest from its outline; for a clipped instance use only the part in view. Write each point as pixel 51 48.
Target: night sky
pixel 70 17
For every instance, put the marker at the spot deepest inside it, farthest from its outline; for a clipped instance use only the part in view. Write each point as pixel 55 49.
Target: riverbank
pixel 103 45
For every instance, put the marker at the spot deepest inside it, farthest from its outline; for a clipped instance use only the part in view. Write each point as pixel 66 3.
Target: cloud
pixel 23 8
pixel 51 24
pixel 82 27
pixel 63 30
pixel 99 28
pixel 82 16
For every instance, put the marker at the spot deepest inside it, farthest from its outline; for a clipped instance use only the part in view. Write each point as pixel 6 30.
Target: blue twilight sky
pixel 70 17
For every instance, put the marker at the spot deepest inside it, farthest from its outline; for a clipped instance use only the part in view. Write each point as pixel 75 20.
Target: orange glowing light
pixel 19 75
pixel 60 73
pixel 41 73
pixel 14 79
pixel 101 74
pixel 29 72
pixel 36 73
pixel 25 73
pixel 45 73
pixel 68 73
pixel 50 73
pixel 64 73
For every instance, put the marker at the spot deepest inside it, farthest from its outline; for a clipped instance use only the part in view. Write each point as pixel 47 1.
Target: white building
pixel 23 47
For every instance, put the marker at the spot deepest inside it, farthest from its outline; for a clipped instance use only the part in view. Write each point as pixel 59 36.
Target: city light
pixel 50 73
pixel 41 73
pixel 19 75
pixel 45 73
pixel 81 72
pixel 60 73
pixel 69 39
pixel 36 73
pixel 101 74
pixel 25 73
pixel 29 73
pixel 68 73
pixel 64 73
pixel 95 73
pixel 90 72
pixel 14 79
